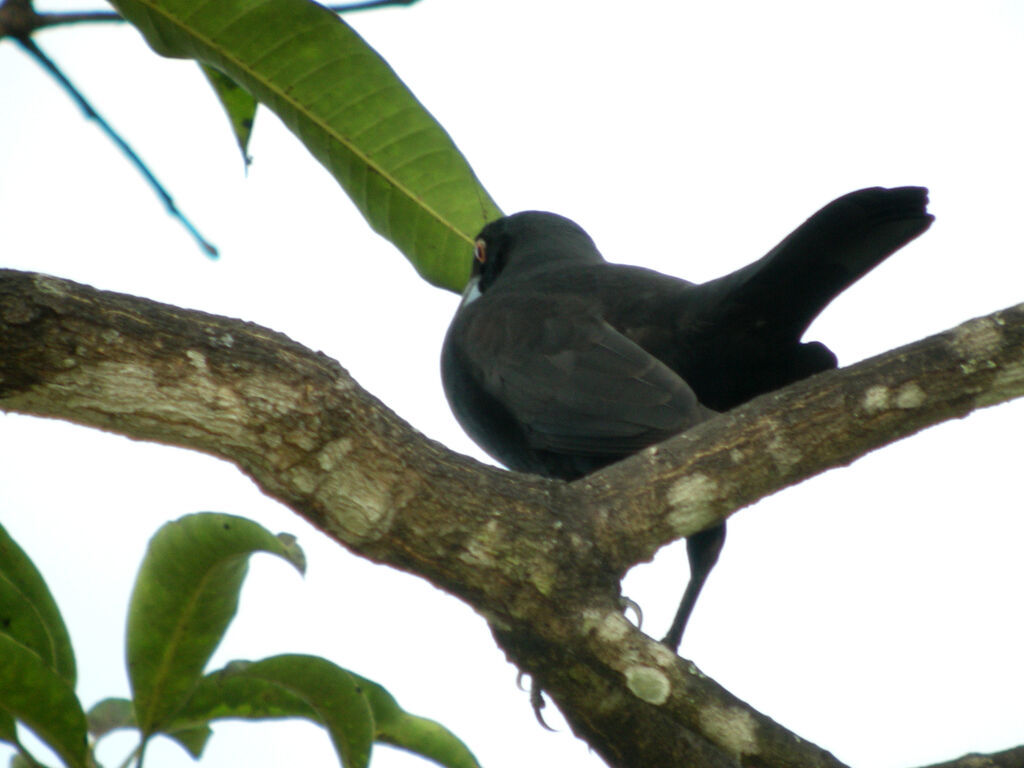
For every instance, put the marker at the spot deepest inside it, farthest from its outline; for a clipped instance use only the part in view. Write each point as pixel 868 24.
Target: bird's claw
pixel 626 604
pixel 536 699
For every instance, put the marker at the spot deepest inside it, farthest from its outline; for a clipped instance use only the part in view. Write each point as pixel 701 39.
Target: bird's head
pixel 524 242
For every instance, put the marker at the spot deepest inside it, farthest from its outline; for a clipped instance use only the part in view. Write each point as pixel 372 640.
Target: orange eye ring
pixel 480 251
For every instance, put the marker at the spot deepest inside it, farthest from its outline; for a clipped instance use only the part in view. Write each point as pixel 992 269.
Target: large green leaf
pixel 185 595
pixel 332 694
pixel 348 107
pixel 28 611
pixel 37 696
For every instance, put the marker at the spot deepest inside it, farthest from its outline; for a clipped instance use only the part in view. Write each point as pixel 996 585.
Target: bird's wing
pixel 575 384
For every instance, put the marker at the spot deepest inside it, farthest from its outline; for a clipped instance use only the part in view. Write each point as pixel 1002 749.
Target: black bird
pixel 559 363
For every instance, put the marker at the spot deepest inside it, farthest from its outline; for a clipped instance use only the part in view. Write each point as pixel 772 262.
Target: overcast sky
pixel 875 610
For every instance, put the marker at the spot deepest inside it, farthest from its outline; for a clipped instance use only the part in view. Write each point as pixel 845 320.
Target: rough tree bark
pixel 541 560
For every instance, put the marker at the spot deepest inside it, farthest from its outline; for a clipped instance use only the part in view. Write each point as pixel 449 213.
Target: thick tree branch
pixel 539 559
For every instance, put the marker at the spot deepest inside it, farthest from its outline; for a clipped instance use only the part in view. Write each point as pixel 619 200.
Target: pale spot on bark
pixel 611 626
pixel 909 396
pixel 978 340
pixel 783 454
pixel 876 399
pixel 686 496
pixel 648 684
pixel 361 510
pixel 334 453
pixel 733 729
pixel 198 359
pixel 663 655
pixel 481 547
pixel 693 489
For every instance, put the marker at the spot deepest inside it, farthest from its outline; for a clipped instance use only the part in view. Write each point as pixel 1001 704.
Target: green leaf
pixel 348 107
pixel 239 105
pixel 192 740
pixel 244 690
pixel 8 731
pixel 424 737
pixel 28 612
pixel 43 700
pixel 110 715
pixel 332 695
pixel 223 695
pixel 185 595
pixel 116 714
pixel 227 694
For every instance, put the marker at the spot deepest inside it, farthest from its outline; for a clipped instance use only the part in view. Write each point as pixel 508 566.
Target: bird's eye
pixel 480 251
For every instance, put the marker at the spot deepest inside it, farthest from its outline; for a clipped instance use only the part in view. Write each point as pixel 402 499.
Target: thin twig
pixel 43 20
pixel 18 18
pixel 367 5
pixel 29 45
pixel 55 19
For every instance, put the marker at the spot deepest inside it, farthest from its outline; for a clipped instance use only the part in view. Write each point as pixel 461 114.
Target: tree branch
pixel 1011 758
pixel 540 559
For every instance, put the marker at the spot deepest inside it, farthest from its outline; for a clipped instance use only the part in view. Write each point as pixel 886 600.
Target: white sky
pixel 875 610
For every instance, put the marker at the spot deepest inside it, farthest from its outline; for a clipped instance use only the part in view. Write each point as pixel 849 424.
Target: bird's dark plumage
pixel 559 363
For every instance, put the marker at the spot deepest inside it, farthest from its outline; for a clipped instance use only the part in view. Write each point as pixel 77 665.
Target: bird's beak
pixel 471 292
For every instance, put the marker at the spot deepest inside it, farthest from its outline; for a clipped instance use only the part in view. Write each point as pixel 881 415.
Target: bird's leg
pixel 702 551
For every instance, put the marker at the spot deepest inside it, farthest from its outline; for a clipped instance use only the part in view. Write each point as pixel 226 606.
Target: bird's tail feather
pixel 787 288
